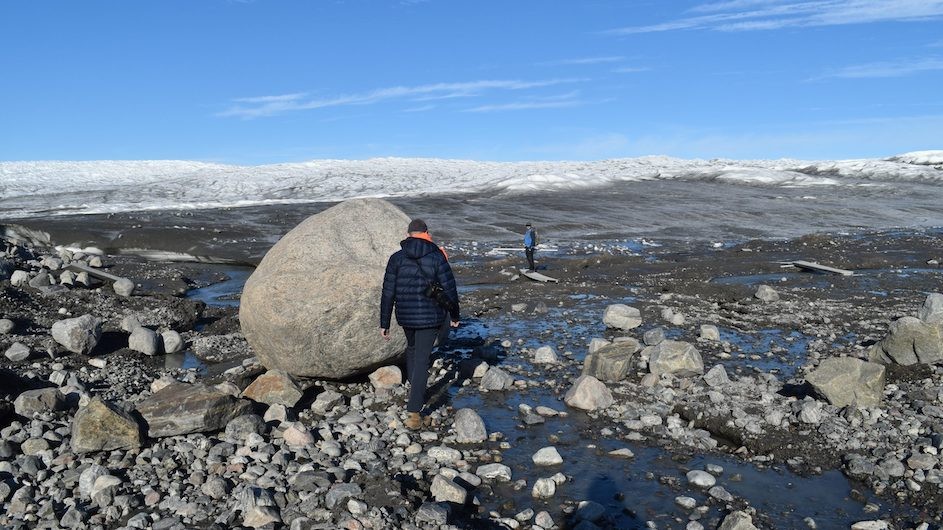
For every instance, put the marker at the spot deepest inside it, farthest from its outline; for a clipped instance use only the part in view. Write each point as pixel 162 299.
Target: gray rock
pixel 766 293
pixel 326 401
pixel 123 287
pixel 17 352
pixel 710 332
pixel 88 477
pixel 102 426
pixel 37 401
pixel 910 341
pixel 547 456
pixel 341 492
pixel 544 488
pixel 673 317
pixel 621 316
pixel 612 362
pixel 274 387
pixel 240 427
pixel 144 340
pixel 444 489
pixel 310 306
pixel 737 521
pixel 172 340
pixel 588 393
pixel 499 472
pixel 932 310
pixel 433 513
pixel 216 488
pixel 847 381
pixel 181 408
pixel 386 377
pixel 130 323
pixel 701 479
pixel 596 343
pixel 546 355
pixel 716 377
pixel 469 427
pixel 654 336
pixel 674 357
pixel 41 280
pixel 67 278
pixel 496 379
pixel 78 335
pixel 6 326
pixel 19 278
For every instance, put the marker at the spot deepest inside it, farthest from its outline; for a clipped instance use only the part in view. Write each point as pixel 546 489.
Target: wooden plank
pixel 521 249
pixel 811 266
pixel 100 274
pixel 537 277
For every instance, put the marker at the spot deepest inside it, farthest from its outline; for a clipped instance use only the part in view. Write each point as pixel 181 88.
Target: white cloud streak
pixel 263 106
pixel 570 99
pixel 753 15
pixel 586 60
pixel 887 69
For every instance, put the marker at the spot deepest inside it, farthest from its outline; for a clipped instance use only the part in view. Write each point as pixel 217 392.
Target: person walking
pixel 530 243
pixel 409 287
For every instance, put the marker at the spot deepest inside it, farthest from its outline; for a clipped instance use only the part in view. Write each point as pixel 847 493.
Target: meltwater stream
pixel 636 491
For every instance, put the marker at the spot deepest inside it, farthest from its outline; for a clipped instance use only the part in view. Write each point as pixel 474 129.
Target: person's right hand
pixel 455 323
pixel 385 333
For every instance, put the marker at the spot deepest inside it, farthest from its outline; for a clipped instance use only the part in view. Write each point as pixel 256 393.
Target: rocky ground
pixel 109 422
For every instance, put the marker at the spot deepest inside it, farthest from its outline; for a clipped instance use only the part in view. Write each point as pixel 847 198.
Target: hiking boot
pixel 413 422
pixel 429 422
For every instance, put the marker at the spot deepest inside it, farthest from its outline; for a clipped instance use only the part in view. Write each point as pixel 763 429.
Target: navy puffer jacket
pixel 404 286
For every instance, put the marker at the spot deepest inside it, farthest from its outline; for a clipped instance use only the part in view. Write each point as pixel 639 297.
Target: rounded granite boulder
pixel 311 308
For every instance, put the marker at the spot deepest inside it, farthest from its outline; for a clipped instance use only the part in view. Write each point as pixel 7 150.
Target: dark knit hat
pixel 417 225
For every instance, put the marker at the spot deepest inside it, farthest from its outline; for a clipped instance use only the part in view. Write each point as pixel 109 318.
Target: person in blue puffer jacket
pixel 409 272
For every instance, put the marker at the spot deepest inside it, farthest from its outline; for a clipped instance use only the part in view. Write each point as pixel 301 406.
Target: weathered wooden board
pixel 537 277
pixel 811 266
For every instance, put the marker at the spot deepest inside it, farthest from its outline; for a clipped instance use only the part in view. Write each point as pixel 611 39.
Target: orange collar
pixel 426 237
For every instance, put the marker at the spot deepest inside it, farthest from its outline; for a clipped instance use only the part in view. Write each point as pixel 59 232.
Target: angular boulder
pixel 621 316
pixel 588 393
pixel 909 341
pixel 932 310
pixel 37 401
pixel 848 381
pixel 612 362
pixel 101 426
pixel 386 377
pixel 182 408
pixel 274 387
pixel 310 307
pixel 469 427
pixel 496 379
pixel 675 357
pixel 78 335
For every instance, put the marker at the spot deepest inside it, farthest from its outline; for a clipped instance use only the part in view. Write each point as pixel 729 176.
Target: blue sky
pixel 264 81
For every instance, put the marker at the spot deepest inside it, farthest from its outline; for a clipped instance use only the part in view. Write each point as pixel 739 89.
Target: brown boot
pixel 414 421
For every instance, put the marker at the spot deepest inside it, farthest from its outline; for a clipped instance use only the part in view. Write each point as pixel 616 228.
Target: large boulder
pixel 182 408
pixel 932 310
pixel 621 316
pixel 39 401
pixel 310 307
pixel 612 362
pixel 909 341
pixel 101 426
pixel 78 335
pixel 588 393
pixel 674 357
pixel 848 381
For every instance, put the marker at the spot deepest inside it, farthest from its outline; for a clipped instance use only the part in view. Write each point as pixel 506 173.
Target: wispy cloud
pixel 630 70
pixel 585 60
pixel 262 106
pixel 423 108
pixel 753 15
pixel 886 69
pixel 569 99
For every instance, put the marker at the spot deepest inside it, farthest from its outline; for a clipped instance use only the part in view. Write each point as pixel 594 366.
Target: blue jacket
pixel 530 238
pixel 404 286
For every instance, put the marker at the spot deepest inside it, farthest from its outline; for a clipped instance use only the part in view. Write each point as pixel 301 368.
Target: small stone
pixel 172 340
pixel 544 520
pixel 547 456
pixel 17 352
pixel 588 393
pixel 716 377
pixel 78 335
pixel 274 386
pixel 701 479
pixel 469 427
pixel 546 355
pixel 123 287
pixel 653 336
pixel 37 401
pixel 296 435
pixel 710 332
pixel 445 490
pixel 544 488
pixel 386 377
pixel 144 340
pixel 496 379
pixel 6 326
pixel 621 316
pixel 499 472
pixel 737 521
pixel 766 293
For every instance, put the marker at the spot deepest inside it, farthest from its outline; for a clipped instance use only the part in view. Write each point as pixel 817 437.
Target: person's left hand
pixel 385 333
